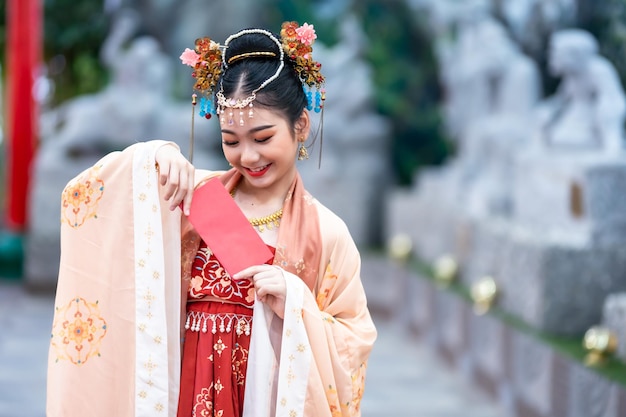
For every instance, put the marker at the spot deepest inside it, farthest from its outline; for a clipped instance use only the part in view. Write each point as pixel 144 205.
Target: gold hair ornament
pixel 297 43
pixel 208 61
pixel 249 55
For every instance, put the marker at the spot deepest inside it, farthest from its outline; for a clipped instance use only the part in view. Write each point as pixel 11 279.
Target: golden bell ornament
pixel 400 247
pixel 600 343
pixel 445 270
pixel 483 293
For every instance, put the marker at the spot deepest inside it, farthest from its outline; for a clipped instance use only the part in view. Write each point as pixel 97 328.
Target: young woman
pixel 288 337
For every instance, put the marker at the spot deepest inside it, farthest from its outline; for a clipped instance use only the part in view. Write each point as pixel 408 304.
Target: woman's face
pixel 264 148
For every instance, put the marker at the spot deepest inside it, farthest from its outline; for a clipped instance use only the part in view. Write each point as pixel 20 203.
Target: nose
pixel 249 154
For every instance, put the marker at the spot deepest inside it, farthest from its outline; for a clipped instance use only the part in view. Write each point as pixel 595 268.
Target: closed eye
pixel 230 142
pixel 263 140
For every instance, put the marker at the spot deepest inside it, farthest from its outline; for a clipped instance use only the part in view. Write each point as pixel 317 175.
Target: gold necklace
pixel 266 222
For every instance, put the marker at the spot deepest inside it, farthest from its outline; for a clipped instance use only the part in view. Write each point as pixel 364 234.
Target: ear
pixel 303 126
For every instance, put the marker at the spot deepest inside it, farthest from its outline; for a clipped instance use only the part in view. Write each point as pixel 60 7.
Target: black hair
pixel 284 94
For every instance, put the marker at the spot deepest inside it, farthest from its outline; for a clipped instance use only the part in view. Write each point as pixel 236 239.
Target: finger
pixel 251 271
pixel 164 172
pixel 189 195
pixel 181 191
pixel 273 286
pixel 172 183
pixel 264 291
pixel 267 278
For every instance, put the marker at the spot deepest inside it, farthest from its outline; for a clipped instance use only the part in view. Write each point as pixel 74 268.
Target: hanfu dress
pixel 132 276
pixel 217 340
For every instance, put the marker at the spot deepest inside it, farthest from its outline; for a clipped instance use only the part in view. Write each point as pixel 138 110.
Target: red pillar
pixel 24 29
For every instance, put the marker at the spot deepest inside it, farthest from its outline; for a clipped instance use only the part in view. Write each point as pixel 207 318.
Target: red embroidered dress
pixel 217 340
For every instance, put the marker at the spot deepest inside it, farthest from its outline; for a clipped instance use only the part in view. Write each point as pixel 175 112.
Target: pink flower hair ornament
pixel 190 57
pixel 306 34
pixel 206 61
pixel 297 41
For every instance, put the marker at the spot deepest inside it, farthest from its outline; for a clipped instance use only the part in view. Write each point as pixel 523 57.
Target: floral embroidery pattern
pixel 333 401
pixel 327 285
pixel 204 404
pixel 240 360
pixel 80 198
pixel 219 346
pixel 281 258
pixel 77 331
pixel 208 277
pixel 358 385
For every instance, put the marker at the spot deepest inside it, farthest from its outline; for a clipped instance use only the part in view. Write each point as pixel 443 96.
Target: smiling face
pixel 264 149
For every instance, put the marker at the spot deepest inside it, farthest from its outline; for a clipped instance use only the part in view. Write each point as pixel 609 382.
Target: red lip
pixel 258 173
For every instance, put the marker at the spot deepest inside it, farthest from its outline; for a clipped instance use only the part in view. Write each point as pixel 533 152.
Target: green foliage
pixel 606 20
pixel 405 75
pixel 73 32
pixel 303 11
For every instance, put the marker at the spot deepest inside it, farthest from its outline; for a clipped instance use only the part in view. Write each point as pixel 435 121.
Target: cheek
pixel 229 153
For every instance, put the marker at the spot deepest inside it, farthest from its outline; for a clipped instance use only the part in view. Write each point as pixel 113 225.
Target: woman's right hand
pixel 176 177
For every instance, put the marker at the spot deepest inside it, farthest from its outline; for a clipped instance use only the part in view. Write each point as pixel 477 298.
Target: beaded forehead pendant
pixel 240 105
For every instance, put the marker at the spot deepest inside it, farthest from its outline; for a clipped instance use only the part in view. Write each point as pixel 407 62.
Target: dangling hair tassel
pixel 318 102
pixel 319 163
pixel 320 130
pixel 193 113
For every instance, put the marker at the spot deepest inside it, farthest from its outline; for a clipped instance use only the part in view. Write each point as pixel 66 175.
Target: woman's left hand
pixel 269 285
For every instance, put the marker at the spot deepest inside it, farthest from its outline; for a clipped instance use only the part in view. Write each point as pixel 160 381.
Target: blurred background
pixel 475 149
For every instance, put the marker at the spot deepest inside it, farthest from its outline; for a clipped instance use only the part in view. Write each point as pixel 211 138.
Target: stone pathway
pixel 25 324
pixel 404 378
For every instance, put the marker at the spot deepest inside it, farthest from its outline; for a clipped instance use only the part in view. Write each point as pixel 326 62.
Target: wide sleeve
pixel 338 324
pixel 114 347
pixel 313 362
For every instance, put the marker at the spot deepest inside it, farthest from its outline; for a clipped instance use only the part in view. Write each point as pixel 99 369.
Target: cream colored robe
pixel 115 343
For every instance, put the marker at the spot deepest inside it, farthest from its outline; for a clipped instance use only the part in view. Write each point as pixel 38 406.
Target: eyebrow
pixel 253 130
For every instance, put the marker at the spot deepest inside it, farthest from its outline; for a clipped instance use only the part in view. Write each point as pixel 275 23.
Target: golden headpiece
pixel 209 63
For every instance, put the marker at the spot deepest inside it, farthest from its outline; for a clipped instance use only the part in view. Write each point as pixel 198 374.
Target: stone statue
pixel 493 88
pixel 512 89
pixel 588 110
pixel 464 67
pixel 530 20
pixel 128 109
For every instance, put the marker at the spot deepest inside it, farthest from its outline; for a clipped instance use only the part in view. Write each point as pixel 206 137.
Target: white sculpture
pixel 565 180
pixel 127 109
pixel 522 16
pixel 588 110
pixel 464 67
pixel 489 144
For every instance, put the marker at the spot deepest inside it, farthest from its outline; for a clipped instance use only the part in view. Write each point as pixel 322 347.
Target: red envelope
pixel 225 229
